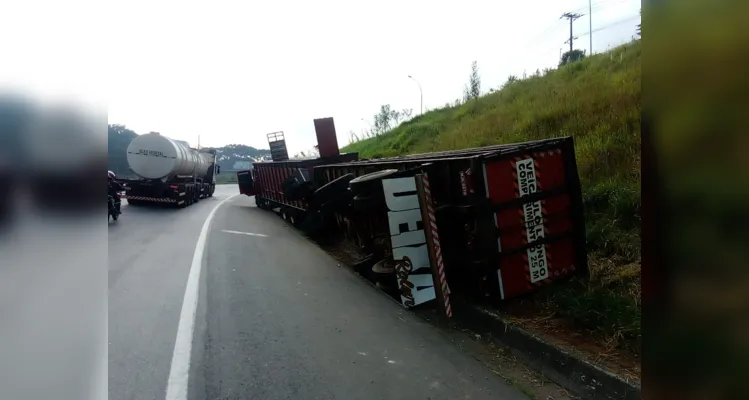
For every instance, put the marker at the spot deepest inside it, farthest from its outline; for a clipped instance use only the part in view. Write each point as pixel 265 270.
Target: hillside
pixel 597 101
pixel 120 137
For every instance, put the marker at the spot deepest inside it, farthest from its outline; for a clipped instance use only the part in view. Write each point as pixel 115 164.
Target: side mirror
pixel 218 169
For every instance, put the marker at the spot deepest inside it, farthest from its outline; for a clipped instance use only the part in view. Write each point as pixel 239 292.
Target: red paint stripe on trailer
pixel 436 245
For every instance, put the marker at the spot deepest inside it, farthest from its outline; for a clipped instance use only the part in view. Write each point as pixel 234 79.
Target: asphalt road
pixel 276 317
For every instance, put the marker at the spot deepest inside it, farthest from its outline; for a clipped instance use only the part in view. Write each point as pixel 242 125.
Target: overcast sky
pixel 232 71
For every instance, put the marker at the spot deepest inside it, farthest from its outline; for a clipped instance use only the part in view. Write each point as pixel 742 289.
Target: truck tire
pixel 370 182
pixel 299 191
pixel 288 183
pixel 332 189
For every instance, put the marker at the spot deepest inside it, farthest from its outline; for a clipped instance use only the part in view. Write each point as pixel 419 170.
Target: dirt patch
pixel 565 335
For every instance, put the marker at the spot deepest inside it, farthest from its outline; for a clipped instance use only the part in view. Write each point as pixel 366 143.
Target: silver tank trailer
pixel 154 156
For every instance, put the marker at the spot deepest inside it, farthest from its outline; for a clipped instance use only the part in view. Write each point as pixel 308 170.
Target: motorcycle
pixel 113 205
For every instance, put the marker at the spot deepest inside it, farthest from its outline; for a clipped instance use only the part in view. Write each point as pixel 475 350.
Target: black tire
pixel 185 199
pixel 299 191
pixel 368 203
pixel 288 183
pixel 313 225
pixel 296 218
pixel 332 189
pixel 370 182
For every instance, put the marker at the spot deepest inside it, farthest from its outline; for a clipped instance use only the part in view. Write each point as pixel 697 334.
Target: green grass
pixel 596 101
pixel 226 178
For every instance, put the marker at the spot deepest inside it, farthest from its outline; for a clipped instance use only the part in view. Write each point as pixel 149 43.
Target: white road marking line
pixel 176 388
pixel 244 233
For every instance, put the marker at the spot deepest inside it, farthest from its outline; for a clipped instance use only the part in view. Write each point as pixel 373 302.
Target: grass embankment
pixel 597 101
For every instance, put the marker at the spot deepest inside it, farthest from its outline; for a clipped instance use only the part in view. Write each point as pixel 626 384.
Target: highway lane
pixel 150 251
pixel 276 317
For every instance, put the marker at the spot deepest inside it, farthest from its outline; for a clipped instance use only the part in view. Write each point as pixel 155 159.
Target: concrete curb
pixel 571 372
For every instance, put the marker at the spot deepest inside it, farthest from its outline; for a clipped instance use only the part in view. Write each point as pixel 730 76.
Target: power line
pixel 600 5
pixel 600 28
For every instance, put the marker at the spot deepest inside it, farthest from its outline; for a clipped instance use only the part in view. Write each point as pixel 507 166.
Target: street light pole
pixel 421 95
pixel 590 25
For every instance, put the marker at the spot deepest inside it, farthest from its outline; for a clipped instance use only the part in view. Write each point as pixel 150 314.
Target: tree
pixel 475 81
pixel 472 90
pixel 353 137
pixel 387 119
pixel 572 56
pixel 510 80
pixel 382 120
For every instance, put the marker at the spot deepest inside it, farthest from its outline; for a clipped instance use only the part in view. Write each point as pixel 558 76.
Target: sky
pixel 233 71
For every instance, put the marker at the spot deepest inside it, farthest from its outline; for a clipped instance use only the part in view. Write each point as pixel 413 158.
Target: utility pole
pixel 572 17
pixel 421 95
pixel 590 25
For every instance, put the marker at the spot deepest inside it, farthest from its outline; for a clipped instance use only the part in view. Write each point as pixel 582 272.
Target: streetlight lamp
pixel 421 94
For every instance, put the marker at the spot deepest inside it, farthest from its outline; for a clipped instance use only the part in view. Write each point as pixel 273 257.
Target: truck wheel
pixel 370 182
pixel 333 188
pixel 298 191
pixel 312 225
pixel 289 182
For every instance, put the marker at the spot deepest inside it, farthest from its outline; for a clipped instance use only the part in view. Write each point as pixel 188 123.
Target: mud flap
pixel 244 179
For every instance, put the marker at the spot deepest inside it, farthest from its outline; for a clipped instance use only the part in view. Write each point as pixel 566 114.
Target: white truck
pixel 171 172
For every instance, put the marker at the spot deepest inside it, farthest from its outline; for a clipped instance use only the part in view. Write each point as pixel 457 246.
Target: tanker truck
pixel 170 171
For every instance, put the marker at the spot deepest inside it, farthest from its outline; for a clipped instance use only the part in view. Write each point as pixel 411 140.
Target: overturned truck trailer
pixel 493 222
pixel 506 219
pixel 285 184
